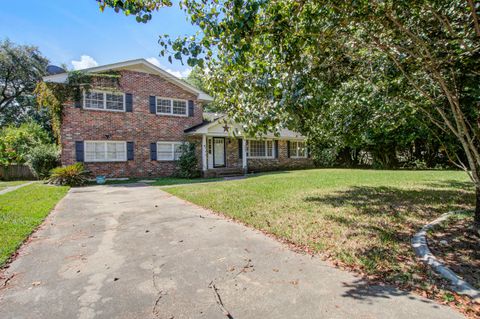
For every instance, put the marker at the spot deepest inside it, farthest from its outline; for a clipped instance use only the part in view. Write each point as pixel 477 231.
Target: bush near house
pixel 71 175
pixel 42 159
pixel 17 141
pixel 187 164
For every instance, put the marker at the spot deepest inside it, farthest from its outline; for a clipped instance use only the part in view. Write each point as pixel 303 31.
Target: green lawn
pixel 21 211
pixel 4 185
pixel 362 219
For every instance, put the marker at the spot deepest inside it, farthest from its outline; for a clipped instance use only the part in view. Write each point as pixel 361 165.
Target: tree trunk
pixel 477 210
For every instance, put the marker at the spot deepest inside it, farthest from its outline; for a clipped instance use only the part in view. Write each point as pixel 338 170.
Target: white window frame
pixel 104 101
pixel 298 153
pixel 171 106
pixel 105 159
pixel 266 149
pixel 173 143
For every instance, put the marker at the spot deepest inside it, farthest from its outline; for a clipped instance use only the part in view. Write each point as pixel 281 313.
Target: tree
pixel 283 61
pixel 21 67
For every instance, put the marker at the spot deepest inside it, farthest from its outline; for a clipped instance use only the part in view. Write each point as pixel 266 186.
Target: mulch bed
pixel 456 245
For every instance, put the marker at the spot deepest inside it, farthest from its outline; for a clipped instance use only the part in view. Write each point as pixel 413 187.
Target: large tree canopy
pixel 21 67
pixel 301 62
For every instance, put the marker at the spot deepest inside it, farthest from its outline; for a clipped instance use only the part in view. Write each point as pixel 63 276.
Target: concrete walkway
pixel 9 189
pixel 137 252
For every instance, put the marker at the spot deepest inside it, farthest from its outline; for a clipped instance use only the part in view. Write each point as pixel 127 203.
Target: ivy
pixel 53 96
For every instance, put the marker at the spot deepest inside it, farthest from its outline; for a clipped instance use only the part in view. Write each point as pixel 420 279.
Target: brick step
pixel 225 172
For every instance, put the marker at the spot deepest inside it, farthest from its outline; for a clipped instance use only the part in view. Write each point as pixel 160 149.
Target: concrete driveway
pixel 137 252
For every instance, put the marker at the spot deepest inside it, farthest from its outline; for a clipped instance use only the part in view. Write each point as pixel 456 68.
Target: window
pixel 98 100
pixel 171 107
pixel 105 151
pixel 260 149
pixel 168 151
pixel 298 149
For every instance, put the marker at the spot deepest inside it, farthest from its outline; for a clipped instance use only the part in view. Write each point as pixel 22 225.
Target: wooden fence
pixel 16 172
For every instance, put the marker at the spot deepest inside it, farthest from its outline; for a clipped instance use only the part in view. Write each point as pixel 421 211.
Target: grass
pixel 21 211
pixel 362 219
pixel 4 185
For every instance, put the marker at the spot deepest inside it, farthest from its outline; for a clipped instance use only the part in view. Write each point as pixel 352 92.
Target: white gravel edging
pixel 419 244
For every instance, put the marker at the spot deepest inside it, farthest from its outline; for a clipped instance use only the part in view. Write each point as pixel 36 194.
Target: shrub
pixel 16 142
pixel 325 157
pixel 187 164
pixel 72 175
pixel 42 159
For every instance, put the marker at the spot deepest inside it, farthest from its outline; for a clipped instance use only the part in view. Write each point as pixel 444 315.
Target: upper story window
pixel 260 149
pixel 105 151
pixel 99 100
pixel 298 150
pixel 171 106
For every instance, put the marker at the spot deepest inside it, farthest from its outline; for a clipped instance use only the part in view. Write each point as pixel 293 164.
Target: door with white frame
pixel 218 152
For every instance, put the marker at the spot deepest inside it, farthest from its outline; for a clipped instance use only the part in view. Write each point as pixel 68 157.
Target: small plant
pixel 71 175
pixel 42 159
pixel 187 164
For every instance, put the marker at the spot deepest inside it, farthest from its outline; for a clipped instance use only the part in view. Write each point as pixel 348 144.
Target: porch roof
pixel 221 126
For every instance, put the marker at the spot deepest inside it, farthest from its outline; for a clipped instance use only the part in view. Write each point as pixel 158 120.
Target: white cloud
pixel 179 74
pixel 85 62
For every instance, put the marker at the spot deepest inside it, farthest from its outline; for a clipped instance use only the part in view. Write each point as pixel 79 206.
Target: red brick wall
pixel 139 126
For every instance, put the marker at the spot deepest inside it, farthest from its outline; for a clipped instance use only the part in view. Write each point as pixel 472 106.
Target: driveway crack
pixel 218 300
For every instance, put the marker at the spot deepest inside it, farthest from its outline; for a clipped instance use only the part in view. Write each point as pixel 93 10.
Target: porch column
pixel 204 152
pixel 244 155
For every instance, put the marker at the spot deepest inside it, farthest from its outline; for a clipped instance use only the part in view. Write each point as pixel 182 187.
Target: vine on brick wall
pixel 53 96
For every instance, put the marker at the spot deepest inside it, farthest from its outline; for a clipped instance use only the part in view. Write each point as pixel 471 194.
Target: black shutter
pixel 130 151
pixel 153 104
pixel 153 151
pixel 288 149
pixel 79 101
pixel 309 154
pixel 129 102
pixel 276 149
pixel 79 153
pixel 190 108
pixel 240 149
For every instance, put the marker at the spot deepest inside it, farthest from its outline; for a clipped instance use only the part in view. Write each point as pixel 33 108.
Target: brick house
pixel 133 127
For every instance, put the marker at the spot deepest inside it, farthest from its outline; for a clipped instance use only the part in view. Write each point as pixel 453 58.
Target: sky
pixel 76 33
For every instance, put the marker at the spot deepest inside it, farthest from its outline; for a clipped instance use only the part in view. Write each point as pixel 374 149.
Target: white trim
pixel 204 152
pixel 104 160
pixel 202 96
pixel 266 149
pixel 171 106
pixel 305 154
pixel 104 92
pixel 173 143
pixel 244 154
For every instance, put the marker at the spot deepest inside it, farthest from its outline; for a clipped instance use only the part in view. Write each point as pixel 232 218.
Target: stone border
pixel 419 244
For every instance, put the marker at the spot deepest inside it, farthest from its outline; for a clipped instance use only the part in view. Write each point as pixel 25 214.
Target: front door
pixel 218 152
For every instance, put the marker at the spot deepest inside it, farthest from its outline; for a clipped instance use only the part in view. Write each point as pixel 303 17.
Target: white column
pixel 204 152
pixel 244 155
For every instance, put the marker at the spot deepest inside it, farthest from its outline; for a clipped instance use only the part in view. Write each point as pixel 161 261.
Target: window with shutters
pixel 101 100
pixel 168 151
pixel 105 151
pixel 172 106
pixel 298 149
pixel 260 149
